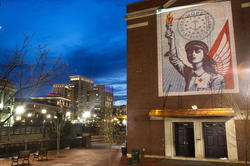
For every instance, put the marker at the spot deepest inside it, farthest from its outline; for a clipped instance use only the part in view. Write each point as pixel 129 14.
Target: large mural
pixel 196 50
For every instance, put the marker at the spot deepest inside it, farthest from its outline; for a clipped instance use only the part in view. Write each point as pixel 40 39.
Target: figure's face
pixel 195 56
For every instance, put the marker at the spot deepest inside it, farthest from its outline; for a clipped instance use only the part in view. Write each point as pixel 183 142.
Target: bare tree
pixel 29 68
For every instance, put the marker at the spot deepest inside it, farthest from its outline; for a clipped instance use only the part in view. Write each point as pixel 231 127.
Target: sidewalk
pixel 75 157
pixel 170 162
pixel 99 156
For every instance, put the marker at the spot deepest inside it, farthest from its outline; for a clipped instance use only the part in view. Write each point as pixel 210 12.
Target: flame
pixel 169 18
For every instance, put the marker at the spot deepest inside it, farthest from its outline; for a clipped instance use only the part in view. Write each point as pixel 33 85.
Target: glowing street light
pixel 55 117
pixel 18 118
pixel 124 122
pixel 48 116
pixel 44 111
pixel 29 115
pixel 1 106
pixel 68 114
pixel 20 110
pixel 86 114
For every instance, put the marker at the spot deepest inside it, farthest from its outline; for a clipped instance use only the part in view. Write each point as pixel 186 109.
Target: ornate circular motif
pixel 195 24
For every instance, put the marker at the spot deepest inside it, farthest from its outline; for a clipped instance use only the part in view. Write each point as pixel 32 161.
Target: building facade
pixel 169 115
pixel 83 97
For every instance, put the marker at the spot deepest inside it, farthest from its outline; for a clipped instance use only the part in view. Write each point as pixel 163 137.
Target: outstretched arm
pixel 172 53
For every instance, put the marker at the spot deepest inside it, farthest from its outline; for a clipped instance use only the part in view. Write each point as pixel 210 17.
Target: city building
pixel 63 90
pixel 178 107
pixel 36 111
pixel 63 103
pixel 83 98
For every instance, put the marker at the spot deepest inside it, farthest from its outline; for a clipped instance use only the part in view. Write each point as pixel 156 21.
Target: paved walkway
pixel 99 156
pixel 76 157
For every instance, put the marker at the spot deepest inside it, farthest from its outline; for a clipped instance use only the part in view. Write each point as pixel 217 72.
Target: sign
pixel 196 50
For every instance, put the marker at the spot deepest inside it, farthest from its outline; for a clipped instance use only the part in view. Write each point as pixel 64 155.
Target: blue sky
pixel 90 34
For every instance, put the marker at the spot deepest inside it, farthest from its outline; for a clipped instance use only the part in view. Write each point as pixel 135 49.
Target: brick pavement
pixel 76 157
pixel 100 157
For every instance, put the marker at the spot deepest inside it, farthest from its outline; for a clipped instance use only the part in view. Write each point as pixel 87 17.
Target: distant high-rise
pixel 82 90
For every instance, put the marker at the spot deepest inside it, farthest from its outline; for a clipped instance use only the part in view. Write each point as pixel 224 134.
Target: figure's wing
pixel 221 51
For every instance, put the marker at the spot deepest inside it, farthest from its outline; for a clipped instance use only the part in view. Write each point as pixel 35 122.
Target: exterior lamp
pixel 29 115
pixel 18 118
pixel 94 115
pixel 68 114
pixel 20 110
pixel 194 107
pixel 55 117
pixel 48 116
pixel 1 106
pixel 44 111
pixel 86 114
pixel 124 122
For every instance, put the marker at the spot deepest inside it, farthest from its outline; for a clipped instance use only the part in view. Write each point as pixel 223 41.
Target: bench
pixel 22 155
pixel 41 153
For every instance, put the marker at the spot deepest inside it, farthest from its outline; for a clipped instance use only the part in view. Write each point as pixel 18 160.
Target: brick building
pixel 167 125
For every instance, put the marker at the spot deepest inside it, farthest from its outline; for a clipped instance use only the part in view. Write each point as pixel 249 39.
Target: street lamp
pixel 18 118
pixel 124 122
pixel 44 111
pixel 68 115
pixel 86 115
pixel 19 110
pixel 29 115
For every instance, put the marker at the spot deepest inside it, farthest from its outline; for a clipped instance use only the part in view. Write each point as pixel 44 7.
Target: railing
pixel 5 131
pixel 10 149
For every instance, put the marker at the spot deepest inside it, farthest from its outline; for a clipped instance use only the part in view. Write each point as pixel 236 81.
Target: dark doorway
pixel 215 139
pixel 184 139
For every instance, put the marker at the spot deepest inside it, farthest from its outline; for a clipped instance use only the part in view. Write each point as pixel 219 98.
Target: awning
pixel 207 112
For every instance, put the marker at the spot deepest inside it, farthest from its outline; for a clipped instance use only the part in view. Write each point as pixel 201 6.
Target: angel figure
pixel 203 75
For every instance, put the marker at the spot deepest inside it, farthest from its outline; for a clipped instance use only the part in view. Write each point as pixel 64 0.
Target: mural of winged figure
pixel 208 67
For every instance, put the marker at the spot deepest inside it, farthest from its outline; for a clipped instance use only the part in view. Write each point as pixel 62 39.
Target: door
pixel 184 139
pixel 215 139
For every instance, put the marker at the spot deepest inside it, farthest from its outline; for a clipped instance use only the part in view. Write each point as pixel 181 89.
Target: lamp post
pixel 44 111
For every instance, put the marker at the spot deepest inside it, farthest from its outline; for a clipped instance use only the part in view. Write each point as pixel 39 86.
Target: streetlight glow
pixel 1 106
pixel 68 114
pixel 48 116
pixel 29 115
pixel 55 117
pixel 20 110
pixel 124 122
pixel 18 118
pixel 86 114
pixel 44 111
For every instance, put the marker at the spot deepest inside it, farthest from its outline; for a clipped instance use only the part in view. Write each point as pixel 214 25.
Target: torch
pixel 169 20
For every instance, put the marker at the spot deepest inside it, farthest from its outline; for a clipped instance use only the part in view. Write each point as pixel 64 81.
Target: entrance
pixel 184 139
pixel 215 139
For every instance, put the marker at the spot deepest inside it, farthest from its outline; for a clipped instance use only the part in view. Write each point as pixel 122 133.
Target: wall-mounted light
pixel 194 107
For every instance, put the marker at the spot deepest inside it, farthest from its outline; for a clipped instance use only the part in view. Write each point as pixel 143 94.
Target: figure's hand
pixel 169 32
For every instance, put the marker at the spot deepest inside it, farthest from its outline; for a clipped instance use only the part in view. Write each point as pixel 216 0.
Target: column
pixel 199 140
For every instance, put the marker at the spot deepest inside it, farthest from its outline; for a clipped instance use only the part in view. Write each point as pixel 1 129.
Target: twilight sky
pixel 90 34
